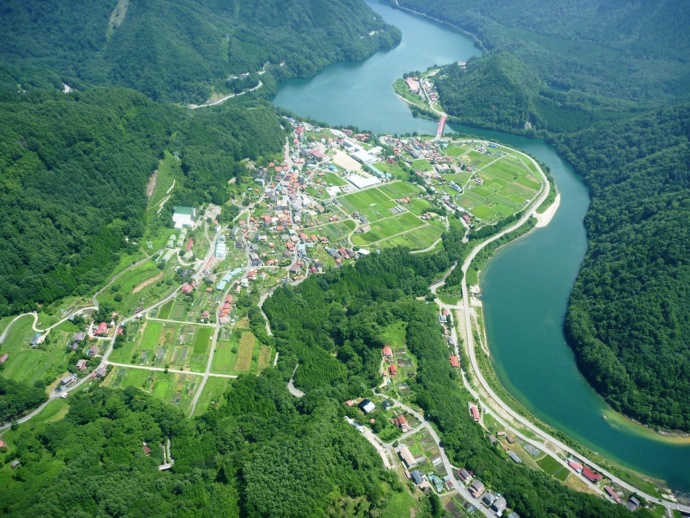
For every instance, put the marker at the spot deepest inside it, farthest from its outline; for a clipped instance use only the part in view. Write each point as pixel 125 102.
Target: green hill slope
pixel 181 50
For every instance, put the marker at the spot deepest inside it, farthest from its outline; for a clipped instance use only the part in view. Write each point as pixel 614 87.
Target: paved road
pixel 469 341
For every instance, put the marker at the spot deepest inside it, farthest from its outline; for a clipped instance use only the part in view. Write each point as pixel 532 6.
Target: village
pixel 181 324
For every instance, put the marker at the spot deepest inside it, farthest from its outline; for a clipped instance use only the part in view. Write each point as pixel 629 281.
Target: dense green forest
pixel 18 398
pixel 73 172
pixel 592 79
pixel 180 50
pixel 629 315
pixel 261 453
pixel 334 326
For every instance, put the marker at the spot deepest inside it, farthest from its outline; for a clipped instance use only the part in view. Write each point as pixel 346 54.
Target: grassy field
pixel 244 354
pixel 168 169
pixel 422 165
pixel 553 467
pixel 212 396
pixel 334 179
pixel 45 362
pixel 176 389
pixel 395 169
pixel 138 287
pixel 225 356
pixel 507 185
pixel 394 335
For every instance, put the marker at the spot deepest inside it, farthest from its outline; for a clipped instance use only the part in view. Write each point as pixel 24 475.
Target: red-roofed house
pixel 187 288
pixel 388 352
pixel 591 475
pixel 454 361
pixel 474 411
pixel 401 423
pixel 4 357
pixel 102 329
pixel 575 466
pixel 613 494
pixel 393 369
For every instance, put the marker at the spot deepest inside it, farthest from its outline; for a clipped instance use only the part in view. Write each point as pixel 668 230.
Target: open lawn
pixel 418 239
pixel 225 357
pixel 212 396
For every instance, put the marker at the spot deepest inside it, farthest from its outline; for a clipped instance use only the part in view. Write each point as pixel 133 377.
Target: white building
pixel 184 217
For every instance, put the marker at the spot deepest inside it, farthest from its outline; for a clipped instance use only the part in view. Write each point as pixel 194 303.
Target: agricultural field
pixel 174 388
pixel 500 184
pixel 238 351
pixel 45 362
pixel 159 344
pixel 389 227
pixel 189 308
pixel 398 190
pixel 373 204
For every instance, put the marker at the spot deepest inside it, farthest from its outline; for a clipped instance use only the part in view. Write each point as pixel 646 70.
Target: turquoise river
pixel 526 285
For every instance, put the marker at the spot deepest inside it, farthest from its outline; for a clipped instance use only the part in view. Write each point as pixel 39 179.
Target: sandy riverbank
pixel 546 217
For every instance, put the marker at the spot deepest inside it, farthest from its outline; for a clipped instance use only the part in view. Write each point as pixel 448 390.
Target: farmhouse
pixel 81 364
pixel 406 456
pixel 477 488
pixel 101 330
pixel 184 217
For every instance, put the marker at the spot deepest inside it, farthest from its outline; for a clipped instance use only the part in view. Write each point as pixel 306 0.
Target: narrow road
pixel 223 99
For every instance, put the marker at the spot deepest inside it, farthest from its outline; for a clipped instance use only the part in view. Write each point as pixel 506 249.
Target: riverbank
pixel 545 217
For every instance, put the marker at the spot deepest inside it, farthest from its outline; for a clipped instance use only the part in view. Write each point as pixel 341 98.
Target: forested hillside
pixel 592 78
pixel 334 326
pixel 73 172
pixel 629 315
pixel 591 47
pixel 180 50
pixel 260 454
